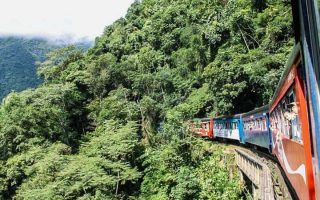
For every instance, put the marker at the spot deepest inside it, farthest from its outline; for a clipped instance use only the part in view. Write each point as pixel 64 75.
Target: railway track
pixel 281 186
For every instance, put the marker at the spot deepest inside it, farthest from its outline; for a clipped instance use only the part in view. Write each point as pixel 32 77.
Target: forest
pixel 112 122
pixel 17 62
pixel 19 57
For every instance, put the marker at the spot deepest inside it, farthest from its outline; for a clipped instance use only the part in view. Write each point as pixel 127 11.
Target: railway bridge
pixel 262 176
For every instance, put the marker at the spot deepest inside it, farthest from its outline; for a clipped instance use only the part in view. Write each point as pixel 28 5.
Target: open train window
pixel 293 117
pixel 205 126
pixel 229 125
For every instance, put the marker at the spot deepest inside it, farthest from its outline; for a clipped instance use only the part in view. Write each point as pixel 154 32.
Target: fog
pixel 70 20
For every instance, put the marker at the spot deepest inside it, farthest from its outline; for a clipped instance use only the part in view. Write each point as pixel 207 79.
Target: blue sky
pixel 59 18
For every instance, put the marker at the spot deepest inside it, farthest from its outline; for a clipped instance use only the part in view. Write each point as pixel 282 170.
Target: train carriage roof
pixel 228 116
pixel 284 76
pixel 202 119
pixel 264 108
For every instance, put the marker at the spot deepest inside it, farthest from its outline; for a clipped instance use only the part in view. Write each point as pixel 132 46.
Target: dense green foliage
pixel 17 62
pixel 109 123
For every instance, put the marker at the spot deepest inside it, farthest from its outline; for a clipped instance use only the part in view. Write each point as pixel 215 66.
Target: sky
pixel 76 19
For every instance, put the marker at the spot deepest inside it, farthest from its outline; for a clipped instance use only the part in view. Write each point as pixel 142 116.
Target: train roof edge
pixel 228 116
pixel 288 65
pixel 202 119
pixel 257 110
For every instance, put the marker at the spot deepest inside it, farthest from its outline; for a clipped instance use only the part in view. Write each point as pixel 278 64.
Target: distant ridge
pixel 17 60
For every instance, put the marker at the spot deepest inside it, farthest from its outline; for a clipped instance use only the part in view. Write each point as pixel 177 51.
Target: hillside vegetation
pixel 110 123
pixel 17 63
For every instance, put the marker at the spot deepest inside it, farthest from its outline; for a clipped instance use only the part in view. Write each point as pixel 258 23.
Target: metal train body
pixel 256 127
pixel 228 127
pixel 307 29
pixel 289 127
pixel 202 127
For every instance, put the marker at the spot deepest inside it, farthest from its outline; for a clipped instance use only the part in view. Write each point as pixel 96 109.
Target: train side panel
pixel 256 129
pixel 202 127
pixel 290 128
pixel 309 25
pixel 227 128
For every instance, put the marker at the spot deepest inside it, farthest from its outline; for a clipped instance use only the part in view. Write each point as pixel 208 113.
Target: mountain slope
pixel 17 63
pixel 18 57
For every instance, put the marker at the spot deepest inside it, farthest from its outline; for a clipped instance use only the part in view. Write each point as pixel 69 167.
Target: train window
pixel 255 124
pixel 264 124
pixel 283 104
pixel 283 121
pixel 205 126
pixel 260 124
pixel 251 125
pixel 293 117
pixel 291 97
pixel 233 126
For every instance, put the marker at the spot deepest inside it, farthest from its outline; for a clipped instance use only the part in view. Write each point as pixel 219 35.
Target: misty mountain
pixel 17 61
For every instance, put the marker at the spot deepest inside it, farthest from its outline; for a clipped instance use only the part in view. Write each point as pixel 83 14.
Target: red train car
pixel 291 142
pixel 203 127
pixel 307 28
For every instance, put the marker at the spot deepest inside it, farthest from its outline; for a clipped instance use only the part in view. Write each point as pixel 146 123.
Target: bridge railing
pixel 258 173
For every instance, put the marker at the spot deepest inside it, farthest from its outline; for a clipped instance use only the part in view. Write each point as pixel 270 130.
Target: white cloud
pixel 56 18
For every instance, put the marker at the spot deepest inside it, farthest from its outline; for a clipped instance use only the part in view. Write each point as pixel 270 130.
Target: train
pixel 289 126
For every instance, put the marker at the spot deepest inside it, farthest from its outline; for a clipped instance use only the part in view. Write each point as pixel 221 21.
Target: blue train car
pixel 256 127
pixel 229 127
